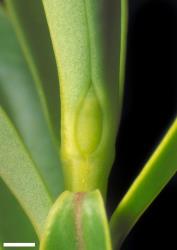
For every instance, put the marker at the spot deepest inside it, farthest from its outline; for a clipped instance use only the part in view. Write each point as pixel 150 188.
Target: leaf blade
pixel 19 98
pixel 32 32
pixel 20 175
pixel 123 45
pixel 85 221
pixel 156 173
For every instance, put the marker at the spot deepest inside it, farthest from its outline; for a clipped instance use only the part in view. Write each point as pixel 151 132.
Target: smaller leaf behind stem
pixel 29 22
pixel 19 99
pixel 157 172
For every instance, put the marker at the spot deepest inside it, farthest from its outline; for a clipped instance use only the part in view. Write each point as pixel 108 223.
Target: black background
pixel 150 105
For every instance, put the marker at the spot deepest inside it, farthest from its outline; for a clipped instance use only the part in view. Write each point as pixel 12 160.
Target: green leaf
pixel 19 98
pixel 77 221
pixel 20 174
pixel 123 45
pixel 157 172
pixel 31 27
pixel 14 224
pixel 86 36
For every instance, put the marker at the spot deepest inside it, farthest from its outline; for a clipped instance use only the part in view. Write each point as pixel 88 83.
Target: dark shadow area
pixel 150 105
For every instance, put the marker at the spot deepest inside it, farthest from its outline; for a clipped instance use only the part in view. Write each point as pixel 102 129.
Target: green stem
pixel 87 50
pixel 155 175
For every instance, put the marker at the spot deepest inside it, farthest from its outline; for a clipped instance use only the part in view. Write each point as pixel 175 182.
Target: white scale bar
pixel 18 244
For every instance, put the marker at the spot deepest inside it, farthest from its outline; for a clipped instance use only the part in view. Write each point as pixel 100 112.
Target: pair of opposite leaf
pixel 89 45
